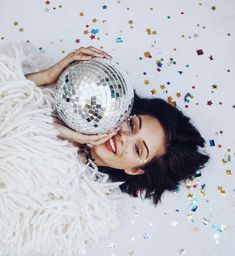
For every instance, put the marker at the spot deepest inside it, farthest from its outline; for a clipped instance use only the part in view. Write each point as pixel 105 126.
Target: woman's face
pixel 140 138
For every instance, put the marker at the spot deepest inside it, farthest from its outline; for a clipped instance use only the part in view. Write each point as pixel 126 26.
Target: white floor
pixel 171 32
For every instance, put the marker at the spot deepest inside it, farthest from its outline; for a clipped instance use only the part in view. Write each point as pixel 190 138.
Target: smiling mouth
pixel 111 145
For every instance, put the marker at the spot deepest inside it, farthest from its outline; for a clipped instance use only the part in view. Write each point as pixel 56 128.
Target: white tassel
pixel 50 202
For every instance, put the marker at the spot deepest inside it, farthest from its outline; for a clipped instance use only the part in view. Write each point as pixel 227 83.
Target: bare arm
pixel 50 75
pixel 39 78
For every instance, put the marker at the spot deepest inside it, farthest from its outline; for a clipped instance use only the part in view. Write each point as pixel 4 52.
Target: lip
pixel 108 146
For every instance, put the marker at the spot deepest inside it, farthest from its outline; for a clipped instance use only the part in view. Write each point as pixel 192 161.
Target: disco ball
pixel 93 96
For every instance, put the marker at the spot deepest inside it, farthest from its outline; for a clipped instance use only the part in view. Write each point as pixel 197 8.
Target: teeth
pixel 112 145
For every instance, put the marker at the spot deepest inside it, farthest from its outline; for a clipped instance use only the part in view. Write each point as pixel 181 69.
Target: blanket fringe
pixel 50 202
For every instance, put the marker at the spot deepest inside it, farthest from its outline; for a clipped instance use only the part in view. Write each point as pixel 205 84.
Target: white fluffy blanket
pixel 50 202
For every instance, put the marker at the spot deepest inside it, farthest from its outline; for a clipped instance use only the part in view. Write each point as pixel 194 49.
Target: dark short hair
pixel 181 160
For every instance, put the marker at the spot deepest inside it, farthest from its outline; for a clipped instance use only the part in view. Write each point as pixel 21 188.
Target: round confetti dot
pixel 219 146
pixel 186 106
pixel 144 73
pixel 228 70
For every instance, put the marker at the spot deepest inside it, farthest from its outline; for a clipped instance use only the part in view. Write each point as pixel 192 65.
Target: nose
pixel 126 135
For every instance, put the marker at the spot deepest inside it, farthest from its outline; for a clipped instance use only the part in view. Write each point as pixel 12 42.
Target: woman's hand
pixel 81 53
pixel 74 136
pixel 50 75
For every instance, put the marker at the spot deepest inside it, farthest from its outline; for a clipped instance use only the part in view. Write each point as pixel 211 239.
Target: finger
pixel 93 52
pixel 81 57
pixel 99 51
pixel 107 137
pixel 91 138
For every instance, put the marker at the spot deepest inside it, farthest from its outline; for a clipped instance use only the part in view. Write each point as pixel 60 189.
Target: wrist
pixel 39 78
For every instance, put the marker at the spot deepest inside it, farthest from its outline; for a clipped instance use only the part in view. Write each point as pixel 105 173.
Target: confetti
pixel 193 208
pixel 212 143
pixel 147 55
pixel 119 40
pixel 200 52
pixel 181 252
pixel 221 190
pixel 205 221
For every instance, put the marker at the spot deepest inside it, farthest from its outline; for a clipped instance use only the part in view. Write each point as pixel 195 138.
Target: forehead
pixel 153 134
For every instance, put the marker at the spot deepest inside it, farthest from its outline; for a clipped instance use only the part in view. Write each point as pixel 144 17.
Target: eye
pixel 137 150
pixel 132 125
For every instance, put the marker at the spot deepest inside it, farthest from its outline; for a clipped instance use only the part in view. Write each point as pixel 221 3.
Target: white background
pixel 180 28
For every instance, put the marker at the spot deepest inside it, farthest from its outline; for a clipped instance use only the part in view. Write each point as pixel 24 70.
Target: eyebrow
pixel 140 126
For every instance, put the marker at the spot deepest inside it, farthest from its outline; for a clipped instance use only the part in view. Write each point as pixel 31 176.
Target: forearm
pixel 39 78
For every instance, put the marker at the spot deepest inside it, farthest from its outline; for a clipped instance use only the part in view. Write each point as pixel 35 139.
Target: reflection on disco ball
pixel 92 96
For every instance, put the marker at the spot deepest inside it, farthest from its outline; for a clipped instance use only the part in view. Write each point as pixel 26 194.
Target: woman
pixel 153 150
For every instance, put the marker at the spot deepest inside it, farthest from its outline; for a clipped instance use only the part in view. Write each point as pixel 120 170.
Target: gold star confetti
pixel 94 20
pixel 188 186
pixel 148 30
pixel 130 22
pixel 85 32
pixel 21 29
pixel 154 91
pixel 81 14
pixel 213 8
pixel 221 190
pixel 15 23
pixel 229 172
pixel 171 101
pixel 146 82
pixel 190 195
pixel 178 94
pixel 202 192
pixel 162 86
pixel 214 86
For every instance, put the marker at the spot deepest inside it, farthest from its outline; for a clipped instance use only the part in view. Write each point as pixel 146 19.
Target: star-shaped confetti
pixel 209 102
pixel 221 190
pixel 15 23
pixel 146 82
pixel 81 14
pixel 154 91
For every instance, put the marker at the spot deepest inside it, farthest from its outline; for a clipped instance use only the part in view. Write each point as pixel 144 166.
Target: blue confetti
pixel 95 31
pixel 212 143
pixel 119 40
pixel 194 208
